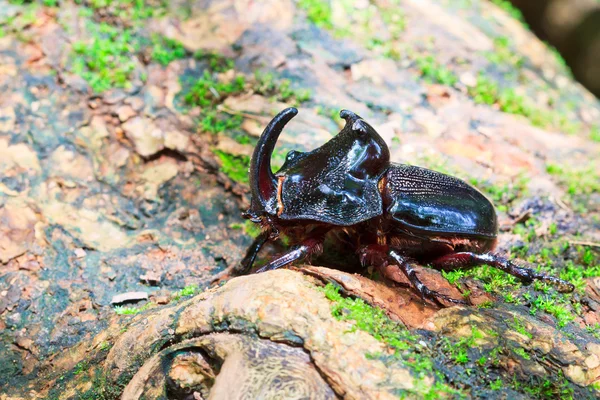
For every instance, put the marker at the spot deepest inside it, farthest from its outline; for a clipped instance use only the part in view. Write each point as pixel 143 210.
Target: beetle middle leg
pixel 423 290
pixel 467 260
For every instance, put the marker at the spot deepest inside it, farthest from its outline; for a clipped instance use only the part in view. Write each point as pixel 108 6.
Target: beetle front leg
pixel 308 247
pixel 252 252
pixel 423 290
pixel 467 260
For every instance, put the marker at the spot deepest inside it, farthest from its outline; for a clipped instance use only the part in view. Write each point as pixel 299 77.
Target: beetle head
pixel 263 184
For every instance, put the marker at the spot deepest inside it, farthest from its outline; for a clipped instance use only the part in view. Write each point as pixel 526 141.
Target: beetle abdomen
pixel 419 199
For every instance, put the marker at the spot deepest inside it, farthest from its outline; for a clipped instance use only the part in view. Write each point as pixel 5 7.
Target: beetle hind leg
pixel 420 287
pixel 467 260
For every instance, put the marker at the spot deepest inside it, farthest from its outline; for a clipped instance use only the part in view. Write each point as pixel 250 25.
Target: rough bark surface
pixel 124 141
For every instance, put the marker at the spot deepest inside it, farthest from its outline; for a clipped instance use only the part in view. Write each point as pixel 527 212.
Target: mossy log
pixel 280 335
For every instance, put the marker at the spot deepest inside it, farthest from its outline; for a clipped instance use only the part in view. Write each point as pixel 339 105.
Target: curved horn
pixel 262 181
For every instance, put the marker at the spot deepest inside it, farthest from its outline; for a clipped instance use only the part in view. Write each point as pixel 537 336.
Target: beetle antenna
pixel 262 181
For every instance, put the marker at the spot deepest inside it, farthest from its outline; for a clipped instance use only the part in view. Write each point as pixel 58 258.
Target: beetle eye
pixel 291 155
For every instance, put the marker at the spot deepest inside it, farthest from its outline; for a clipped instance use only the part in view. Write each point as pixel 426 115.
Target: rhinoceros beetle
pixel 392 215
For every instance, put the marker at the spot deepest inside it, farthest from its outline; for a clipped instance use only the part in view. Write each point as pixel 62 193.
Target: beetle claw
pixel 432 295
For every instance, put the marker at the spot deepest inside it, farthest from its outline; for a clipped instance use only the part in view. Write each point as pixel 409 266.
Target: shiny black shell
pixel 337 182
pixel 350 180
pixel 422 200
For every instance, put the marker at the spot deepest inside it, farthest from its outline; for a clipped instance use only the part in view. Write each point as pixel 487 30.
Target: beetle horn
pixel 262 181
pixel 349 116
pixel 353 120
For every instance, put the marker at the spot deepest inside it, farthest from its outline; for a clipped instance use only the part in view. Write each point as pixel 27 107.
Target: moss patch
pixel 268 85
pixel 235 167
pixel 401 342
pixel 579 183
pixel 435 72
pixel 208 90
pixel 318 12
pixel 165 50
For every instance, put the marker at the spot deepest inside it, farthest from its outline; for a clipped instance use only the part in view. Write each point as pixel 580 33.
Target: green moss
pixel 189 290
pixel 505 193
pixel 130 10
pixel 595 134
pixel 510 9
pixel 399 340
pixel 215 122
pixel 104 346
pixel 81 367
pixel 594 330
pixel 242 139
pixel 122 310
pixel 486 304
pixel 578 181
pixel 485 91
pixel 251 229
pixel 504 54
pixel 394 18
pixel 555 305
pixel 216 62
pixel 369 319
pixel 331 113
pixel 546 388
pixel 488 92
pixel 453 276
pixel 494 280
pixel 207 90
pixel 235 167
pixel 508 100
pixel 522 353
pixel 497 384
pixel 106 60
pixel 102 388
pixel 165 50
pixel 519 326
pixel 276 89
pixel 318 12
pixel 527 231
pixel 458 351
pixel 433 71
pixel 577 273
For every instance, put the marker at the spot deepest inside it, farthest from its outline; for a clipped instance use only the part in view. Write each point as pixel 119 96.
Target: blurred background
pixel 126 129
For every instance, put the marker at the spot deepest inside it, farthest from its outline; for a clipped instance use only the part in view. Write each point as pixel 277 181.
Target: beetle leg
pixel 423 290
pixel 526 275
pixel 308 247
pixel 252 252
